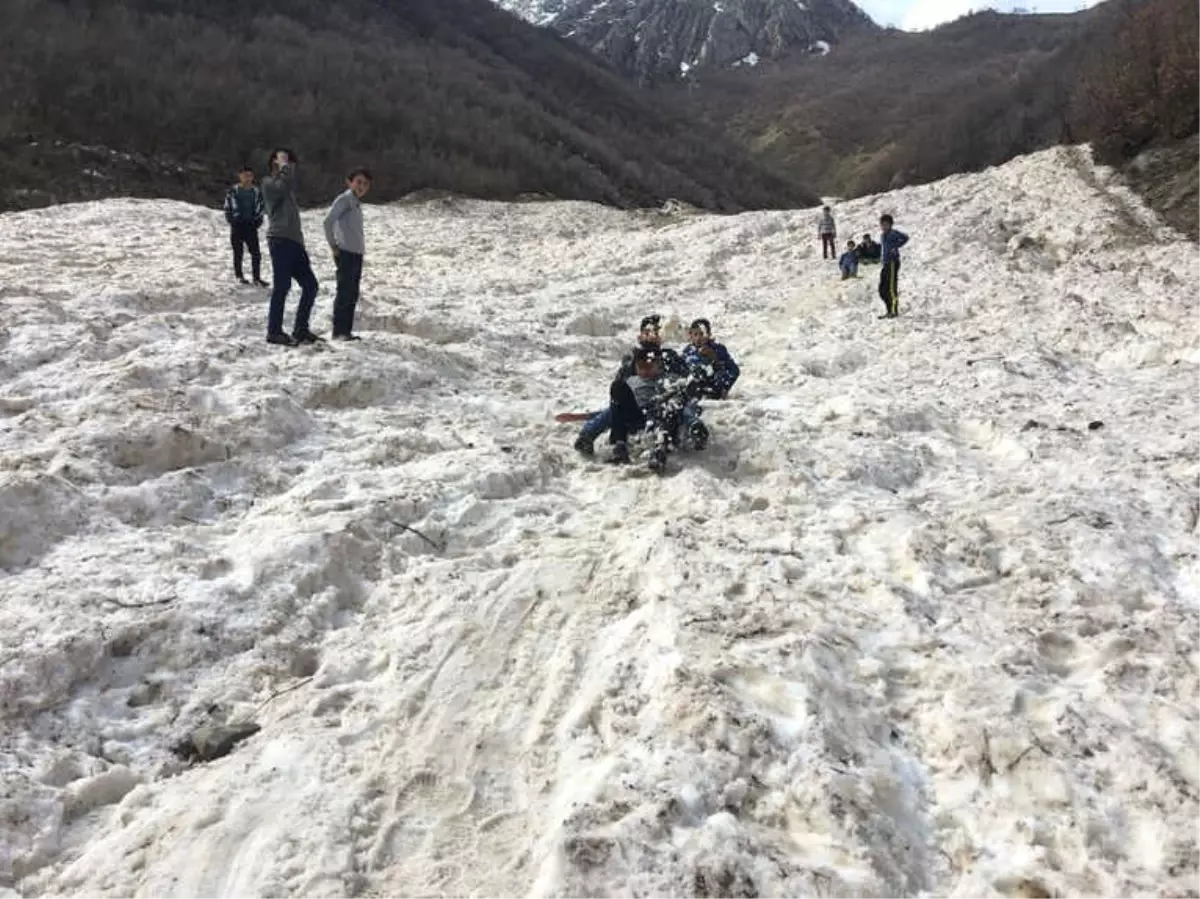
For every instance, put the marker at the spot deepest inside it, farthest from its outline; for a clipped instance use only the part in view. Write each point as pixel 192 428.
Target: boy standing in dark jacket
pixel 244 210
pixel 890 242
pixel 289 259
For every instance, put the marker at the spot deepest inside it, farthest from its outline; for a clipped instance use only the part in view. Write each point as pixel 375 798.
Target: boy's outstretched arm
pixel 284 175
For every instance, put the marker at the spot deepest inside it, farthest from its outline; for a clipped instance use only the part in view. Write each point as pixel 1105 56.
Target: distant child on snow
pixel 647 400
pixel 289 259
pixel 244 211
pixel 344 231
pixel 868 250
pixel 848 261
pixel 827 231
pixel 890 242
pixel 649 335
pixel 705 353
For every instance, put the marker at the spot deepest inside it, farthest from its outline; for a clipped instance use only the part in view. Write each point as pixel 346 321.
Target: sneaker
pixel 698 434
pixel 306 337
pixel 584 445
pixel 658 459
pixel 281 339
pixel 620 454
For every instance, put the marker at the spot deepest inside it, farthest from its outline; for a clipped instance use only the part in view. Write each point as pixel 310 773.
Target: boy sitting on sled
pixel 648 336
pixel 648 401
pixel 706 354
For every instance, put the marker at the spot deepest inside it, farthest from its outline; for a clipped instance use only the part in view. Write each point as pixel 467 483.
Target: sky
pixel 918 15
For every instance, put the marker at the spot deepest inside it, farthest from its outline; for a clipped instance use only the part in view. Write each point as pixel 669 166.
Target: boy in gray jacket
pixel 289 259
pixel 344 231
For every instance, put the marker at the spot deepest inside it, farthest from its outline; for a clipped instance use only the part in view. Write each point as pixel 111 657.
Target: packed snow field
pixel 913 624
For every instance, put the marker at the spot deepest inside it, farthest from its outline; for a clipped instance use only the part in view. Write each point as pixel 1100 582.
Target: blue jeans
pixel 602 421
pixel 596 425
pixel 289 261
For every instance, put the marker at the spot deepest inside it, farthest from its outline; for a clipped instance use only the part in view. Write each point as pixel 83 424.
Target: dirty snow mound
pixel 922 620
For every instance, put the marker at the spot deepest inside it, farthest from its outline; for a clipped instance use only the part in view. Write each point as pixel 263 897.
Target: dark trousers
pixel 628 418
pixel 889 286
pixel 290 263
pixel 244 235
pixel 828 246
pixel 349 276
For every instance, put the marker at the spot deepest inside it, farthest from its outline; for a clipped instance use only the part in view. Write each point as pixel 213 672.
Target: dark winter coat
pixel 245 206
pixel 891 242
pixel 724 370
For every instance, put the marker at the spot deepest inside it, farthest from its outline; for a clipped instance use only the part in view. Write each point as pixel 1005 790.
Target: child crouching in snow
pixel 647 401
pixel 868 250
pixel 848 262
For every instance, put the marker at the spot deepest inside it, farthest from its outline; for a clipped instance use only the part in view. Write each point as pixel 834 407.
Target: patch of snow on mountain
pixel 539 12
pixel 921 620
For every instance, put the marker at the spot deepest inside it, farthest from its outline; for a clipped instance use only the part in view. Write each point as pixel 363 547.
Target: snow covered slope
pixel 913 624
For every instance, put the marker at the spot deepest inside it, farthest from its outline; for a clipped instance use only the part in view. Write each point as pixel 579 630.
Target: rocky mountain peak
pixel 664 40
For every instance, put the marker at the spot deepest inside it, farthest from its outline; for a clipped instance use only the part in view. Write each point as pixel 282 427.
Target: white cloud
pixel 920 15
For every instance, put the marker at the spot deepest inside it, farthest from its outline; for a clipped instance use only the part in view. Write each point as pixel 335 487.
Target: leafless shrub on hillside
pixel 1139 86
pixel 449 94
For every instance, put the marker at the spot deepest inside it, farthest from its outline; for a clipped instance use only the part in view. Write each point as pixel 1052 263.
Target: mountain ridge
pixel 463 97
pixel 662 41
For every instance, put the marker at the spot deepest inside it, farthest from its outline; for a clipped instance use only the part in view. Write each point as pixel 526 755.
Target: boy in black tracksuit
pixel 890 242
pixel 244 211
